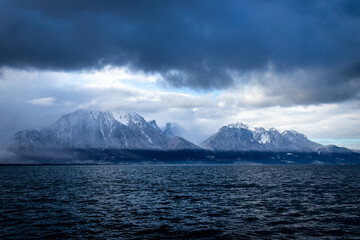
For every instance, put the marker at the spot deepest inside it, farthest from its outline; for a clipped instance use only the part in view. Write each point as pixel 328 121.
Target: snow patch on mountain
pixel 264 138
pixel 240 125
pixel 127 118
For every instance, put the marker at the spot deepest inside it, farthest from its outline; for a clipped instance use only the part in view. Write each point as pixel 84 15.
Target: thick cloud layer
pixel 198 44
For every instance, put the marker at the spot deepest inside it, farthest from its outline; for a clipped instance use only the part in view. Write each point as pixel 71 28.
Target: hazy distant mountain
pixel 96 129
pixel 172 130
pixel 241 137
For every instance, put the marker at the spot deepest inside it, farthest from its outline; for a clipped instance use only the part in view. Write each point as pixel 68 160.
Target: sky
pixel 202 64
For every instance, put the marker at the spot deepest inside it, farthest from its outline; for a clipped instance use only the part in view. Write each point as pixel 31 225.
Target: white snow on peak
pixel 240 125
pixel 290 131
pixel 125 117
pixel 259 129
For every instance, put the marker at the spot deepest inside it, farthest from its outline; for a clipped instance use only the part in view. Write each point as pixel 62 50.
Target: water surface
pixel 192 202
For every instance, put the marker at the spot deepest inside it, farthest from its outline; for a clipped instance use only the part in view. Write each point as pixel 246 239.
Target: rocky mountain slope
pixel 176 143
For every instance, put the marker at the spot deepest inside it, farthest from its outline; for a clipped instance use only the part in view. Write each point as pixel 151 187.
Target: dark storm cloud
pixel 191 43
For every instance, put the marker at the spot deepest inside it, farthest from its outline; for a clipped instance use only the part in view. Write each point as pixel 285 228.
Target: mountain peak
pixel 238 125
pixel 241 125
pixel 154 125
pixel 87 112
pixel 293 132
pixel 127 117
pixel 122 117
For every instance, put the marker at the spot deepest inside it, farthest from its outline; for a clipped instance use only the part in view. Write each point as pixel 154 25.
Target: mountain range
pixel 89 129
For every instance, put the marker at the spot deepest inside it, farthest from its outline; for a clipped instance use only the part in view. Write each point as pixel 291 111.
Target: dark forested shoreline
pixel 120 156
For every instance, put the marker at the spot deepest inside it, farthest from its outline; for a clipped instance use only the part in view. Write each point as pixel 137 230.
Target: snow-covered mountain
pixel 96 129
pixel 241 137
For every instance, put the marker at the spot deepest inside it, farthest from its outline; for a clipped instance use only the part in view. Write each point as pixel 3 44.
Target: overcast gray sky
pixel 203 64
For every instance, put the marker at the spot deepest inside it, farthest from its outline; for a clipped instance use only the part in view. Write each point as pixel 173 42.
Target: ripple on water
pixel 192 202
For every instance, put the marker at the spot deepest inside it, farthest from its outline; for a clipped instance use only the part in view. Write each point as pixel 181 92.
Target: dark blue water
pixel 191 202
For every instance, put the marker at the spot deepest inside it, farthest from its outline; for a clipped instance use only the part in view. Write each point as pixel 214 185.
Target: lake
pixel 173 201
